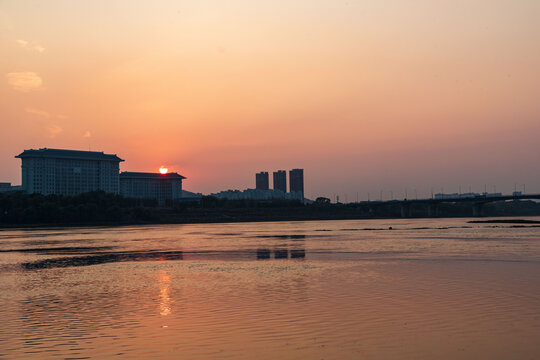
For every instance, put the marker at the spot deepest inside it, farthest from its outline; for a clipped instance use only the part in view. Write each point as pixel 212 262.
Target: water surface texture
pixel 424 289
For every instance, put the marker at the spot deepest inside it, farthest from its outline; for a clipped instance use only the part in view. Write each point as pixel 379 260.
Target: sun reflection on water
pixel 164 294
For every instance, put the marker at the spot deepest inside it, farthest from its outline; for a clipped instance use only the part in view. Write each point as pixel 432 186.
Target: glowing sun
pixel 163 170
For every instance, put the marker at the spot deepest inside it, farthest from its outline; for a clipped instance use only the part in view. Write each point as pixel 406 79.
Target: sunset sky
pixel 364 95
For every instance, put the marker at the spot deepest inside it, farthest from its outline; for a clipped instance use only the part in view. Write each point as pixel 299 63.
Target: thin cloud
pixel 44 114
pixel 30 46
pixel 46 120
pixel 87 134
pixel 24 81
pixel 54 130
pixel 37 112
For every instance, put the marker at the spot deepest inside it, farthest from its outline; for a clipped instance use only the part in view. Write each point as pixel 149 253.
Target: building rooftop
pixel 68 154
pixel 145 175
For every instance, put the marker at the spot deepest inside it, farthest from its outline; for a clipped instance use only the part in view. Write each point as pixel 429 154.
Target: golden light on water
pixel 164 297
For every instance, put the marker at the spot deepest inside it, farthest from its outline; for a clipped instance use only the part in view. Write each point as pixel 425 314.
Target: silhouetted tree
pixel 322 201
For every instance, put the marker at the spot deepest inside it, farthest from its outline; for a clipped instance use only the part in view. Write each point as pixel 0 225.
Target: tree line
pixel 100 208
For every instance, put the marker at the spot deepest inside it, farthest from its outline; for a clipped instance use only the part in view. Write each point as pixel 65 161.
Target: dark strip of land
pixel 101 209
pixel 504 221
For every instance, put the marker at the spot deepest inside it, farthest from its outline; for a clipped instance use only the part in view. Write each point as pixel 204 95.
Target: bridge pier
pixel 432 210
pixel 406 210
pixel 478 209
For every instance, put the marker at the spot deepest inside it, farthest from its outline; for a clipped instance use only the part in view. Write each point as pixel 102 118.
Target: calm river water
pixel 425 289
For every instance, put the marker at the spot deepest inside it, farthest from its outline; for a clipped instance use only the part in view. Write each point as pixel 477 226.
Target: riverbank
pixel 505 221
pixel 101 209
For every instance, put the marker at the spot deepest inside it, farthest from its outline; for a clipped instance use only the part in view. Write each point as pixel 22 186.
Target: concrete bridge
pixel 477 203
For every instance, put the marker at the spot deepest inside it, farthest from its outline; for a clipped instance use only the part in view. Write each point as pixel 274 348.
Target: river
pixel 377 289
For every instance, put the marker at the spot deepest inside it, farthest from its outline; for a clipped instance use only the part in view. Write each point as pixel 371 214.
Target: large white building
pixel 162 187
pixel 69 172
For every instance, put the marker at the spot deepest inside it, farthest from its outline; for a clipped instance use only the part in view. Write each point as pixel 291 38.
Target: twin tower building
pixel 296 181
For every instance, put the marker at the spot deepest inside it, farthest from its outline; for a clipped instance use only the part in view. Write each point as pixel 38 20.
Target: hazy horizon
pixel 365 96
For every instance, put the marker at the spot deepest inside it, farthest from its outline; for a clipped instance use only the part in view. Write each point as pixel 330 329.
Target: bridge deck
pixel 476 199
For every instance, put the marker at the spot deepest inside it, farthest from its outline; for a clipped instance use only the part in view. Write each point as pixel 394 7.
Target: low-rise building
pixel 5 186
pixel 141 185
pixel 257 194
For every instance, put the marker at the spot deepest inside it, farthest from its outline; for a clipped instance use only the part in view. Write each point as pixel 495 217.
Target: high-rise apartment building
pixel 68 172
pixel 280 180
pixel 296 181
pixel 261 181
pixel 162 187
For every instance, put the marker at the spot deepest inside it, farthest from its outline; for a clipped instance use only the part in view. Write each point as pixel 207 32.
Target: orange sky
pixel 365 95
